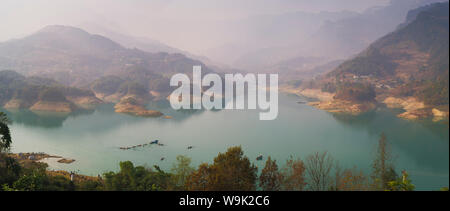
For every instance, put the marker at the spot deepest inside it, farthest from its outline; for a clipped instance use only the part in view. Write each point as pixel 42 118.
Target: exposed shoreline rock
pixel 38 157
pixel 66 161
pixel 415 109
pixel 16 104
pixel 325 101
pixel 342 106
pixel 132 106
pixel 62 107
pixel 89 102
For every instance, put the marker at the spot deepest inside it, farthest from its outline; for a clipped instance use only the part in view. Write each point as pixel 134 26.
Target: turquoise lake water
pixel 93 138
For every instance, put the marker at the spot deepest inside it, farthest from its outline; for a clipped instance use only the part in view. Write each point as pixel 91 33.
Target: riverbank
pixel 38 157
pixel 131 107
pixel 326 101
pixel 413 108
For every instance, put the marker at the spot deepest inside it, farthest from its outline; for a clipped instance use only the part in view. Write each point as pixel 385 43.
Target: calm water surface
pixel 93 138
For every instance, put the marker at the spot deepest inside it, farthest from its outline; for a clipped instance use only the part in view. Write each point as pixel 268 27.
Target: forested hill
pixel 43 94
pixel 411 61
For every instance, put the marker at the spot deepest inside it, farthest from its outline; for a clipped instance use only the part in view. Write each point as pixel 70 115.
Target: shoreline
pixel 412 108
pixel 39 157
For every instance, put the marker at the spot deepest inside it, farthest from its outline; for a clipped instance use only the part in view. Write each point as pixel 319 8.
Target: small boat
pixel 154 142
pixel 162 158
pixel 260 157
pixel 190 147
pixel 140 145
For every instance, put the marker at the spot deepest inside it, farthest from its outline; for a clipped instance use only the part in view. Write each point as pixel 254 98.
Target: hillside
pixel 42 94
pixel 409 64
pixel 75 57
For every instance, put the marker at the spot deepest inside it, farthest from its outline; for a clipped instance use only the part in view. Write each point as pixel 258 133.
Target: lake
pixel 93 138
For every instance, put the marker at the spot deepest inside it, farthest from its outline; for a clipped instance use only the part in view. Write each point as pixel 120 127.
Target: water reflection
pixel 411 138
pixel 41 119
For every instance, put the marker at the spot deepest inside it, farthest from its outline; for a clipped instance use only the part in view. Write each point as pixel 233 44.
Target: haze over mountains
pixel 414 58
pixel 251 41
pixel 297 45
pixel 408 69
pixel 74 57
pixel 333 39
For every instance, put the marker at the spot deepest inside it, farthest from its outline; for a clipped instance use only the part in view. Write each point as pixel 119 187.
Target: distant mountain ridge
pixel 416 54
pixel 74 57
pixel 409 65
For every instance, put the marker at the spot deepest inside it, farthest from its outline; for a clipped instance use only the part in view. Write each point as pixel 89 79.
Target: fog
pixel 195 25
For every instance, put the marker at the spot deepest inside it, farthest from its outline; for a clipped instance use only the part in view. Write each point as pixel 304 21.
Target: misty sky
pixel 184 24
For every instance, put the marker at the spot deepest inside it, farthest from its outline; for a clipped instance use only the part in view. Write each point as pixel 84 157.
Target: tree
pixel 293 175
pixel 199 180
pixel 9 167
pixel 38 180
pixel 131 178
pixel 383 169
pixel 318 168
pixel 181 170
pixel 351 180
pixel 270 178
pixel 5 134
pixel 231 171
pixel 401 184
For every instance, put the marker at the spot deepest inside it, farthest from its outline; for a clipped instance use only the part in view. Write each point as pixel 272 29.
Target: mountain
pixel 42 94
pixel 407 68
pixel 263 40
pixel 149 45
pixel 346 37
pixel 332 39
pixel 302 68
pixel 75 57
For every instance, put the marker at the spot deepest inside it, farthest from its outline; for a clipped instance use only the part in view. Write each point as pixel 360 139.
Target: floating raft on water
pixel 142 145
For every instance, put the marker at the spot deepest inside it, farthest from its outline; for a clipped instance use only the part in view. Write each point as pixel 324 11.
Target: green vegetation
pixel 231 171
pixel 51 94
pixel 107 85
pixel 5 134
pixel 371 62
pixel 355 92
pixel 137 178
pixel 435 92
pixel 29 90
pixel 132 88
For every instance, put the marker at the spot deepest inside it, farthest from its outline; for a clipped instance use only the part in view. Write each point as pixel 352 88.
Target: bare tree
pixel 318 168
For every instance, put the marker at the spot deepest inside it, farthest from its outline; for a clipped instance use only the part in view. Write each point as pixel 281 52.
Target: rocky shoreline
pixel 413 108
pixel 326 101
pixel 38 157
pixel 133 107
